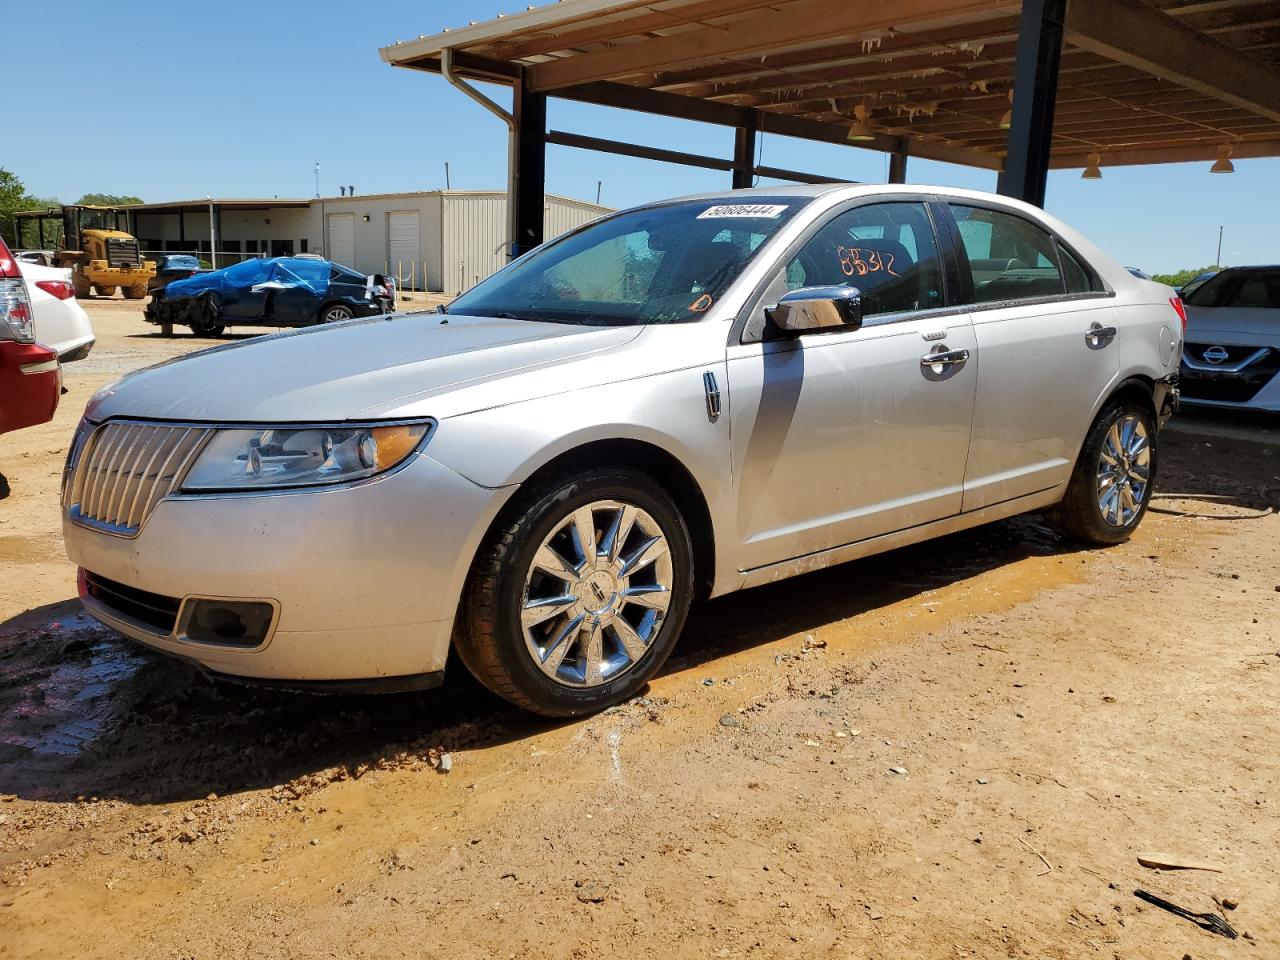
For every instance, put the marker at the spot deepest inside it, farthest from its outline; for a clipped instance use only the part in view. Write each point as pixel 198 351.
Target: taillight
pixel 61 289
pixel 15 308
pixel 15 312
pixel 1180 309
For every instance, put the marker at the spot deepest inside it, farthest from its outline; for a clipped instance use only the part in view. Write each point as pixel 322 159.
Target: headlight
pixel 275 457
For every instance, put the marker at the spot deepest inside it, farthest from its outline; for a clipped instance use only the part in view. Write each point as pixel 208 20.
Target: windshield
pixel 664 264
pixel 1239 288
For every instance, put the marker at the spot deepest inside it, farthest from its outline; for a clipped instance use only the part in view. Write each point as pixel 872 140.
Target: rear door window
pixel 1011 258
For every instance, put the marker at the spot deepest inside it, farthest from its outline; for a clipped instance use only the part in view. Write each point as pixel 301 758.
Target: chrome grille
pixel 127 468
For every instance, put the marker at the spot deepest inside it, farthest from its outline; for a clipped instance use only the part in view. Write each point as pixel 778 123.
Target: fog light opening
pixel 228 623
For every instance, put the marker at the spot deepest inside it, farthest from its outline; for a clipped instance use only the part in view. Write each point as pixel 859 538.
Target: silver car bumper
pixel 363 579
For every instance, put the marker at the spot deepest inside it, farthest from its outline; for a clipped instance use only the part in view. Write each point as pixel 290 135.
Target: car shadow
pixel 4 486
pixel 84 713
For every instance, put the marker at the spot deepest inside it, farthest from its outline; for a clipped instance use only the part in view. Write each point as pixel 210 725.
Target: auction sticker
pixel 758 211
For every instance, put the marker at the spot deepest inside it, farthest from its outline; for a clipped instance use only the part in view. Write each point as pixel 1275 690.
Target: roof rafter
pixel 1133 33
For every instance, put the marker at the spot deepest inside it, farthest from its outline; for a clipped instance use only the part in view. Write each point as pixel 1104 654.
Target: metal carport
pixel 1018 87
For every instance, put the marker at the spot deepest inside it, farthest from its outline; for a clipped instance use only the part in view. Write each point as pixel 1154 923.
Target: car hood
pixel 1241 325
pixel 376 367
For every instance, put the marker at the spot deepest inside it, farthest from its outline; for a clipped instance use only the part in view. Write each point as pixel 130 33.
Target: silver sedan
pixel 674 402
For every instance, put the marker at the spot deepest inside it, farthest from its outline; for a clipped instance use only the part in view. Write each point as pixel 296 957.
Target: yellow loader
pixel 99 254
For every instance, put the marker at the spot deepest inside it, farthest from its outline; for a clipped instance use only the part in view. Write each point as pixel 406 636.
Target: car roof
pixel 832 193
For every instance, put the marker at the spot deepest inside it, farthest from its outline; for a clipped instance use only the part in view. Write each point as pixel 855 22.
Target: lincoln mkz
pixel 671 403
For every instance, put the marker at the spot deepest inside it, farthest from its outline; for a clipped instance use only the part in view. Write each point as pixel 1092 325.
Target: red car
pixel 30 379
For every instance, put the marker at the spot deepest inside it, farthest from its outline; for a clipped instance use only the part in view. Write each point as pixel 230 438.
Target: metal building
pixel 441 240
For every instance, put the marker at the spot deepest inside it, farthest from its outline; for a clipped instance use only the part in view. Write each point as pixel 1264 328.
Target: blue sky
pixel 272 87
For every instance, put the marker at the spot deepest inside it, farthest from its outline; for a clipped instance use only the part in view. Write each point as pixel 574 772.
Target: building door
pixel 403 245
pixel 342 238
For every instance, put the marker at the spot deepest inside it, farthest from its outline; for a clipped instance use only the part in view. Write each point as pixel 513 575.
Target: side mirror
pixel 817 309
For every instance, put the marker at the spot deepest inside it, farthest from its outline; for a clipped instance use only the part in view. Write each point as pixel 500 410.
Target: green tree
pixel 1176 280
pixel 13 197
pixel 107 200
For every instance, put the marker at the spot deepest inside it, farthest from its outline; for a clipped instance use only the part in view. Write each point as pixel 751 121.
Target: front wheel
pixel 1113 480
pixel 206 317
pixel 578 594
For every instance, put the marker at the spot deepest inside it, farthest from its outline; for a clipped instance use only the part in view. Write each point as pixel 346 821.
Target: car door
pixel 846 435
pixel 1046 332
pixel 240 291
pixel 303 285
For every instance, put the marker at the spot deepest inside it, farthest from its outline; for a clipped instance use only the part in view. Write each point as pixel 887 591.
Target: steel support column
pixel 744 154
pixel 898 167
pixel 530 112
pixel 1035 90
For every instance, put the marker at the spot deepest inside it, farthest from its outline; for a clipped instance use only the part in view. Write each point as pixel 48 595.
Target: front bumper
pixel 364 578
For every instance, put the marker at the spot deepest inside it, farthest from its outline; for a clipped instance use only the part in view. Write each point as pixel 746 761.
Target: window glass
pixel 1010 258
pixel 663 264
pixel 1239 288
pixel 886 250
pixel 1079 280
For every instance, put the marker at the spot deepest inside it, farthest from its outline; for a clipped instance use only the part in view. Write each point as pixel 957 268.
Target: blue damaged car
pixel 279 292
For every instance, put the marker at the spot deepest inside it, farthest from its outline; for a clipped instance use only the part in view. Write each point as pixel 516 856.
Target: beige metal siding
pixel 474 226
pixel 561 215
pixel 474 229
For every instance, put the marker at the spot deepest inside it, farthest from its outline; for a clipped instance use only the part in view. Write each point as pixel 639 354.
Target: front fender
pixel 506 445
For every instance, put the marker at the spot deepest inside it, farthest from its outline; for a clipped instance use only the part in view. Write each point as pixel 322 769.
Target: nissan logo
pixel 1215 354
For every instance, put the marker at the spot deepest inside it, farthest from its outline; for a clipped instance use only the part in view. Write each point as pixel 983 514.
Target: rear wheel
pixel 1113 480
pixel 103 290
pixel 80 283
pixel 335 313
pixel 579 592
pixel 135 292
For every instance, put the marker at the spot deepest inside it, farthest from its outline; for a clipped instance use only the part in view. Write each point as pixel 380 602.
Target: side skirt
pixel 900 538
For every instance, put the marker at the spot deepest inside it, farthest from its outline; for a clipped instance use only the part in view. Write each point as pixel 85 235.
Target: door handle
pixel 944 358
pixel 1099 336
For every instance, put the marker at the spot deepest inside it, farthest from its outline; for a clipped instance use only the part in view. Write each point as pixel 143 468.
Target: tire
pixel 206 314
pixel 1081 515
pixel 104 291
pixel 334 313
pixel 80 283
pixel 135 292
pixel 531 669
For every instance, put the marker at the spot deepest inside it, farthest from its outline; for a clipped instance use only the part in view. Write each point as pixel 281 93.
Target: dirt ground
pixel 954 750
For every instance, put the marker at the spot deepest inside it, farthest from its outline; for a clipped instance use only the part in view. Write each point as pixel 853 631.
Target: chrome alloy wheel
pixel 336 314
pixel 1124 470
pixel 596 593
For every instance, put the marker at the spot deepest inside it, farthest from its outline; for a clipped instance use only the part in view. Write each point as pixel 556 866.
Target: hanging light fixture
pixel 860 129
pixel 1006 119
pixel 1092 171
pixel 1223 164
